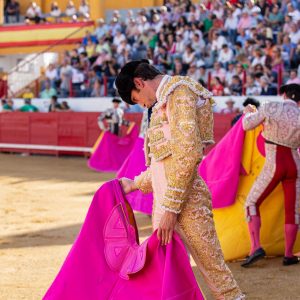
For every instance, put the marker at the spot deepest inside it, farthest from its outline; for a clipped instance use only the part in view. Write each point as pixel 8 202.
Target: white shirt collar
pixel 162 83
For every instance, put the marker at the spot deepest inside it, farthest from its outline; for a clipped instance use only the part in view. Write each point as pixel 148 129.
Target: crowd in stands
pixel 35 14
pixel 7 105
pixel 231 47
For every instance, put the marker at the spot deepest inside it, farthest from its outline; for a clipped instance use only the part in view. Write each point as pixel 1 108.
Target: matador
pixel 181 125
pixel 281 121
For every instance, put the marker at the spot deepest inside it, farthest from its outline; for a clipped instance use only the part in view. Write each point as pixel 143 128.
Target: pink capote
pixel 112 151
pixel 105 261
pixel 220 169
pixel 133 166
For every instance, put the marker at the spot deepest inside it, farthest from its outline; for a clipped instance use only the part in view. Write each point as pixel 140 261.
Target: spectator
pixel 28 107
pixel 132 32
pixel 163 37
pixel 178 68
pixel 65 106
pixel 294 13
pixel 294 34
pixel 293 77
pixel 7 105
pixel 28 94
pixel 97 90
pixel 180 44
pixel 239 48
pixel 259 57
pixel 230 73
pixel 225 56
pixel 194 72
pixel 162 59
pixel 144 25
pixel 48 91
pixel 55 11
pixel 78 86
pixel 231 25
pixel 217 42
pixel 230 109
pixel 246 20
pixel 34 13
pixel 277 61
pixel 218 71
pixel 252 87
pixel 75 60
pixel 217 87
pixel 12 9
pixel 288 50
pixel 198 44
pixel 203 76
pixel 269 45
pixel 84 9
pixel 52 74
pixel 64 86
pixel 118 38
pixel 242 36
pixel 236 86
pixel 275 18
pixel 101 29
pixel 188 56
pixel 256 16
pixel 266 88
pixel 71 11
pixel 54 105
pixel 287 27
pixel 89 37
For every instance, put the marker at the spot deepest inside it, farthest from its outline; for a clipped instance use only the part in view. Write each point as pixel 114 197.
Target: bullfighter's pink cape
pixel 106 263
pixel 111 151
pixel 221 168
pixel 133 166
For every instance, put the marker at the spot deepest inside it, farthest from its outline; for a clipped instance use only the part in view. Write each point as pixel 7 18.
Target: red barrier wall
pixel 76 129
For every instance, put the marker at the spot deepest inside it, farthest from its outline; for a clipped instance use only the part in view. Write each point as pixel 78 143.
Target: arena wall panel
pixel 72 133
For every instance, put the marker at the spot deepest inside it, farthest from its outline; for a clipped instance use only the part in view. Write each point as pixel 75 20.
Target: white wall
pixel 103 103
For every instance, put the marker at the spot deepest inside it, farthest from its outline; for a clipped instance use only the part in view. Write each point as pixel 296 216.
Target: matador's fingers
pixel 159 234
pixel 170 235
pixel 163 239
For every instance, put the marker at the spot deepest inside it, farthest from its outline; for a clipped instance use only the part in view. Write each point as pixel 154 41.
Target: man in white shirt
pixel 70 10
pixel 51 72
pixel 225 55
pixel 180 44
pixel 294 13
pixel 218 41
pixel 119 37
pixel 231 25
pixel 101 30
pixel 84 9
pixel 295 34
pixel 34 13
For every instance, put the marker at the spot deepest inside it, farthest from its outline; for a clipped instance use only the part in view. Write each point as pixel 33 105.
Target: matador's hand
pixel 166 227
pixel 249 109
pixel 128 185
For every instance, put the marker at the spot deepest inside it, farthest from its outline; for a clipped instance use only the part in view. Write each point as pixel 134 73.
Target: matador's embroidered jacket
pixel 181 125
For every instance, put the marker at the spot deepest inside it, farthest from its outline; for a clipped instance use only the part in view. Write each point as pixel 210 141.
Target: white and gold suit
pixel 180 127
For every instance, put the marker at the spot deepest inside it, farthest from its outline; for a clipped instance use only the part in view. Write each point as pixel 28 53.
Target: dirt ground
pixel 43 202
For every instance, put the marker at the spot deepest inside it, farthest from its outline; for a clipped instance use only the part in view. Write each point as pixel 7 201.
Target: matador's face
pixel 143 94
